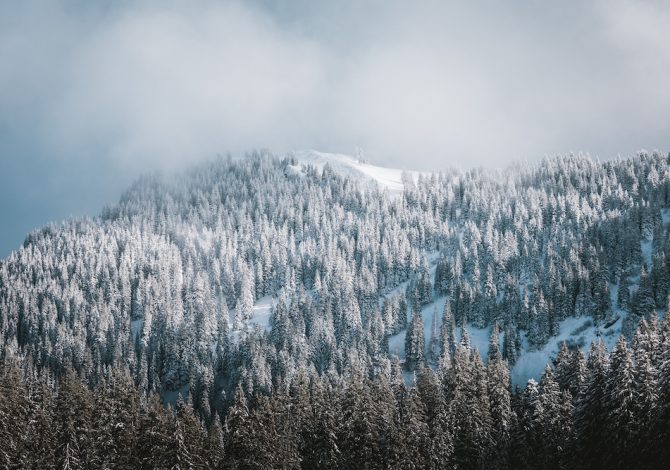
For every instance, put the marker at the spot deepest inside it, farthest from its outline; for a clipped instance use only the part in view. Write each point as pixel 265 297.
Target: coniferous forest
pixel 266 313
pixel 605 410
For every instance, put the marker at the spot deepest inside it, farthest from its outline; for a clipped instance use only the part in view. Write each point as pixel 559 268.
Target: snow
pixel 345 165
pixel 397 341
pixel 295 170
pixel 171 397
pixel 577 331
pixel 136 326
pixel 665 215
pixel 397 345
pixel 479 337
pixel 260 317
pixel 646 245
pixel 530 364
pixel 262 311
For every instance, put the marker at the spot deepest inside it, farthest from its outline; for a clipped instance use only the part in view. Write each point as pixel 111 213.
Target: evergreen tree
pixel 447 337
pixel 359 437
pixel 660 441
pixel 591 410
pixel 645 394
pixel 322 449
pixel 503 418
pixel 155 442
pixel 468 410
pixel 239 450
pixel 415 451
pixel 437 419
pixel 620 407
pixel 414 342
pixel 623 294
pixel 509 351
pixel 494 354
pixel 74 433
pixel 214 446
pixel 556 423
pixel 13 409
pixel 115 420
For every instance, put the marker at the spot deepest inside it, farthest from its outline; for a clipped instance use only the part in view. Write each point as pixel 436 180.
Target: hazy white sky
pixel 92 93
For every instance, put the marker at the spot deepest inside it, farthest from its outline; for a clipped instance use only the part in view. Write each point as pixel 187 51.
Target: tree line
pixel 167 278
pixel 606 410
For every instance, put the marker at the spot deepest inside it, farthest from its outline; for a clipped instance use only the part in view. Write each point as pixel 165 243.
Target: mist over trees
pixel 158 293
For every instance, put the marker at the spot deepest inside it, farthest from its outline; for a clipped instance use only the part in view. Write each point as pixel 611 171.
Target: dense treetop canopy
pixel 164 282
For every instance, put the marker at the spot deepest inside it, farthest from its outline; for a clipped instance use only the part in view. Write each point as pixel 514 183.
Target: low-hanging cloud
pixel 92 93
pixel 431 84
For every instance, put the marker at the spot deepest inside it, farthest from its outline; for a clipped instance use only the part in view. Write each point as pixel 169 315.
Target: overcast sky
pixel 94 93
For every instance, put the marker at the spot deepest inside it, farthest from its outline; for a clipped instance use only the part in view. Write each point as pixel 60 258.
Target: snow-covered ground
pixel 665 216
pixel 136 327
pixel 479 337
pixel 577 331
pixel 262 312
pixel 261 315
pixel 389 178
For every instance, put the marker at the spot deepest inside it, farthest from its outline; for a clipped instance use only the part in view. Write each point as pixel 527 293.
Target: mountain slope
pixel 249 271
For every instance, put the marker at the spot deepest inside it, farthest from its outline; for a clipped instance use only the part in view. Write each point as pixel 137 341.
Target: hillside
pixel 265 276
pixel 180 267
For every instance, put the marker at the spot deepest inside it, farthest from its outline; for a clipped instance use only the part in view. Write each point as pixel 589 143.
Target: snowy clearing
pixel 262 312
pixel 345 165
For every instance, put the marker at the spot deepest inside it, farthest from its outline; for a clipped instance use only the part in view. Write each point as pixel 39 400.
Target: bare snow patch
pixel 577 331
pixel 665 215
pixel 345 165
pixel 136 327
pixel 479 337
pixel 262 311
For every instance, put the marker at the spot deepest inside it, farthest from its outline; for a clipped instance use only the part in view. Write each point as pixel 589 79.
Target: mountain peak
pixel 346 165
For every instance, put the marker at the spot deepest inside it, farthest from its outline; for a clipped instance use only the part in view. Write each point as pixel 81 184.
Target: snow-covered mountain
pixel 260 251
pixel 262 279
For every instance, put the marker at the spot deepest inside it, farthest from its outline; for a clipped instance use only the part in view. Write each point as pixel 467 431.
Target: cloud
pixel 162 84
pixel 431 84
